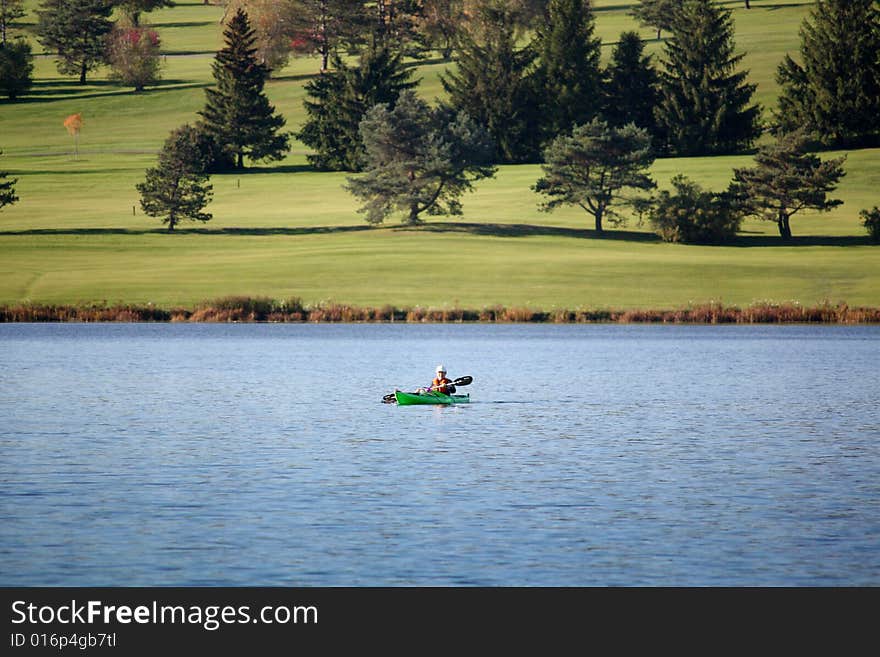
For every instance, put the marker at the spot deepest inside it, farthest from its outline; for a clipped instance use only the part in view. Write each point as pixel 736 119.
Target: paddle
pixel 463 381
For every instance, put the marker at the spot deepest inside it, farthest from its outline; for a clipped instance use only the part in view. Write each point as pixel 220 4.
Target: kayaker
pixel 441 383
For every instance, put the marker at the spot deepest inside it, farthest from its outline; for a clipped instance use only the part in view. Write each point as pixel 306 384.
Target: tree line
pixel 527 86
pixel 528 70
pixel 596 131
pixel 698 103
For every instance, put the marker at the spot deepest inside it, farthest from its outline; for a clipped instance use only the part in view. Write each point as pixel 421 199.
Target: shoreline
pixel 264 310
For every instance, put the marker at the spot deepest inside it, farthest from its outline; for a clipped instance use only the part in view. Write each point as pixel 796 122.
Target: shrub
pixel 871 221
pixel 694 215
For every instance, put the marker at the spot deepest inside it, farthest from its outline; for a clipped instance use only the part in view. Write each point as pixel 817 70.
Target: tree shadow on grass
pixel 428 61
pixel 68 172
pixel 293 77
pixel 259 232
pixel 283 168
pixel 786 5
pixel 187 53
pixel 627 5
pixel 80 94
pixel 488 229
pixel 530 230
pixel 71 82
pixel 185 23
pixel 805 240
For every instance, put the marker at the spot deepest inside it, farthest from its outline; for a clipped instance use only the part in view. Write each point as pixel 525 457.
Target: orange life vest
pixel 442 385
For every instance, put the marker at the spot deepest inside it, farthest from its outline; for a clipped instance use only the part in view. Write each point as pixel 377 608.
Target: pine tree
pixel 491 83
pixel 237 114
pixel 568 75
pixel 322 131
pixel 420 160
pixel 786 181
pixel 705 102
pixel 7 189
pixel 380 77
pixel 591 168
pixel 631 87
pixel 10 11
pixel 177 189
pixel 835 92
pixel 76 31
pixel 16 68
pixel 338 100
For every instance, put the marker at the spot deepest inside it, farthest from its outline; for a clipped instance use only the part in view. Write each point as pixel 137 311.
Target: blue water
pixel 590 455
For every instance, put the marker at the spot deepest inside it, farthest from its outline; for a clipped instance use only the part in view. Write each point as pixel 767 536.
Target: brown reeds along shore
pixel 263 309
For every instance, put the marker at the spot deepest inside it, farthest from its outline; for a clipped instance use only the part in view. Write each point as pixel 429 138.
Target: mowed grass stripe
pixel 405 267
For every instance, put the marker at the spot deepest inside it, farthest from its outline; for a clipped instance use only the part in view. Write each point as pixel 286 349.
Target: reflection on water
pixel 606 455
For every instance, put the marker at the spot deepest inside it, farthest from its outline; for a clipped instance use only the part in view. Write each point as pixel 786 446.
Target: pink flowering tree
pixel 133 53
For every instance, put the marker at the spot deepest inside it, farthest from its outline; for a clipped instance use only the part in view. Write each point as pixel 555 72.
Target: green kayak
pixel 432 397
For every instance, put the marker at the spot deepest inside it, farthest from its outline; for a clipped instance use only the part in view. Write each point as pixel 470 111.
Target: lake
pixel 244 454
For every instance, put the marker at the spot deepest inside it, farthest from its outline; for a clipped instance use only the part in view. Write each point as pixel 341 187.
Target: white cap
pixel 440 368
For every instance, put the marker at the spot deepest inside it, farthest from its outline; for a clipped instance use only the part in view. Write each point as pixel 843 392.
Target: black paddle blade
pixel 463 381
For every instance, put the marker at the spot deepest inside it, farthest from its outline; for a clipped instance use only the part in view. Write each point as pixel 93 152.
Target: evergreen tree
pixel 568 75
pixel 835 92
pixel 7 189
pixel 338 100
pixel 592 166
pixel 323 130
pixel 786 181
pixel 492 83
pixel 237 114
pixel 420 160
pixel 705 102
pixel 76 31
pixel 380 77
pixel 631 85
pixel 177 189
pixel 16 68
pixel 10 11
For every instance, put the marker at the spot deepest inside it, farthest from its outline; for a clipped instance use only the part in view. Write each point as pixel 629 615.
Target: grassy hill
pixel 77 234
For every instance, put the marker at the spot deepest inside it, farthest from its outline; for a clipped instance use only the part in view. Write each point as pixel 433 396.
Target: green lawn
pixel 288 231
